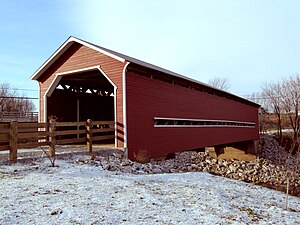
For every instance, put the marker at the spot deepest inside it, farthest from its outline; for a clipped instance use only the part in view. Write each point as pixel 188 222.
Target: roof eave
pixel 150 66
pixel 62 49
pixel 120 57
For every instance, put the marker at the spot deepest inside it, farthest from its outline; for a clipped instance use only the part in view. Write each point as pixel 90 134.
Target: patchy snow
pixel 70 193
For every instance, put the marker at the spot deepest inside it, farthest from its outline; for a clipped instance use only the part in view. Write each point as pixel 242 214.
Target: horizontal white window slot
pixel 181 122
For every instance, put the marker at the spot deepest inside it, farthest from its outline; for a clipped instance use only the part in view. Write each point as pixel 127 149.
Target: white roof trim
pixel 120 57
pixel 79 70
pixel 101 50
pixel 62 49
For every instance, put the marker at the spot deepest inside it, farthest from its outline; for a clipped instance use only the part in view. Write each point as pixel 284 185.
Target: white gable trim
pixel 98 49
pixel 58 77
pixel 122 58
pixel 63 48
pixel 72 72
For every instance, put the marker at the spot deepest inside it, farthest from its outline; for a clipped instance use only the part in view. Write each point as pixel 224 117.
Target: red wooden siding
pixel 148 98
pixel 80 57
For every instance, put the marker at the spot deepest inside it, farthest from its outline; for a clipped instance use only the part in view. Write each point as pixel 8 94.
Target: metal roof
pixel 122 58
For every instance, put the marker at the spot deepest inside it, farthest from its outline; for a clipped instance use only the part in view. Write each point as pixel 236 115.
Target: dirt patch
pixel 232 153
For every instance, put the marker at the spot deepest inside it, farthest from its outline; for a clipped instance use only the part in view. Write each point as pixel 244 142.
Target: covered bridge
pixel 156 112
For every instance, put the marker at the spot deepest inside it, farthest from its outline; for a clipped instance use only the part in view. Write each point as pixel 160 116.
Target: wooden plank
pixel 18 116
pixel 27 130
pixel 69 124
pixel 4 147
pixel 4 131
pixel 106 137
pixel 52 141
pixel 70 141
pixel 28 145
pixel 27 135
pixel 103 123
pixel 99 130
pixel 33 144
pixel 4 125
pixel 32 125
pixel 43 143
pixel 37 134
pixel 41 138
pixel 13 140
pixel 42 125
pixel 4 137
pixel 43 133
pixel 27 125
pixel 67 132
pixel 89 135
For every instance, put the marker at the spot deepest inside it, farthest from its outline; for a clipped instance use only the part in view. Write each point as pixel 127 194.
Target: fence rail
pixel 19 116
pixel 19 135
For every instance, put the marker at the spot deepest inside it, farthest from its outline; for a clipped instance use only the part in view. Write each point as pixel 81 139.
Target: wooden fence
pixel 19 116
pixel 19 135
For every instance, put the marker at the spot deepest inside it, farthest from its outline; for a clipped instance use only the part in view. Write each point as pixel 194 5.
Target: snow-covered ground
pixel 35 193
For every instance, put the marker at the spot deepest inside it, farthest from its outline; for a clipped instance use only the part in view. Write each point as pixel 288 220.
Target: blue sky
pixel 247 42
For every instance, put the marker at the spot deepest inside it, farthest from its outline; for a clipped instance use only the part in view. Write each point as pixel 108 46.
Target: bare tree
pixel 10 102
pixel 220 83
pixel 259 98
pixel 283 98
pixel 290 96
pixel 272 92
pixel 51 152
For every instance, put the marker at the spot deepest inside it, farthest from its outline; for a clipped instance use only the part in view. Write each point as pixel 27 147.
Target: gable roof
pixel 120 57
pixel 116 55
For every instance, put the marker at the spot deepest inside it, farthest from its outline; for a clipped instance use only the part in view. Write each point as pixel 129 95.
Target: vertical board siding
pixel 148 98
pixel 80 57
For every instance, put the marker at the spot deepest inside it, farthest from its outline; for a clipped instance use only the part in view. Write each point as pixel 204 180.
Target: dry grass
pixel 232 153
pixel 141 156
pixel 269 122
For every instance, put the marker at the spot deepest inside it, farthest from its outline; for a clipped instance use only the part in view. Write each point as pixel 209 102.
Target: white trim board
pixel 115 116
pixel 124 105
pixel 63 48
pixel 120 57
pixel 58 77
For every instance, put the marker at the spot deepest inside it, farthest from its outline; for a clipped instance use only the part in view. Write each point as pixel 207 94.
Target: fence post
pixel 52 122
pixel 89 133
pixel 13 141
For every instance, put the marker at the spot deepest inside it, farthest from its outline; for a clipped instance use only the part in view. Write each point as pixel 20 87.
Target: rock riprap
pixel 265 169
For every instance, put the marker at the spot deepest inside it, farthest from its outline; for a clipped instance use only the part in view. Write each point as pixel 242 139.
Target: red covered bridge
pixel 156 111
